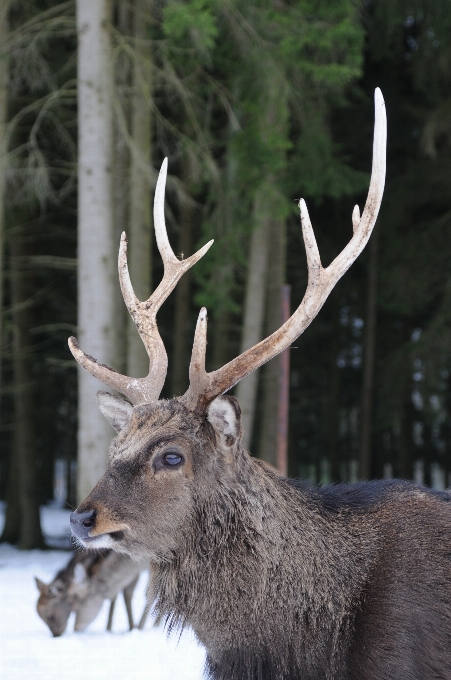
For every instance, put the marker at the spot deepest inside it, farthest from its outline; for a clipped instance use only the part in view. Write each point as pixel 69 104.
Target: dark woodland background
pixel 370 380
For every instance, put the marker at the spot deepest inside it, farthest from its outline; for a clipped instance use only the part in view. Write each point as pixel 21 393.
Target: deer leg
pixel 128 594
pixel 110 615
pixel 143 619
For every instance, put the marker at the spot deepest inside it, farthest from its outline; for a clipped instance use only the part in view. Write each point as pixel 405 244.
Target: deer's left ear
pixel 115 409
pixel 224 414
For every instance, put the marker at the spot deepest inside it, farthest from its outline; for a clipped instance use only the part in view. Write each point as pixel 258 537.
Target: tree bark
pixel 97 271
pixel 182 342
pixel 22 523
pixel 121 170
pixel 369 348
pixel 140 246
pixel 254 308
pixel 276 279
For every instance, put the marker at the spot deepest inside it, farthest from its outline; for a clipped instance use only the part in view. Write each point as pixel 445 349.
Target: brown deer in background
pixel 83 585
pixel 279 581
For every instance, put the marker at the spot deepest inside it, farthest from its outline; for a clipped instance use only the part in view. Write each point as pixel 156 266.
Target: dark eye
pixel 171 459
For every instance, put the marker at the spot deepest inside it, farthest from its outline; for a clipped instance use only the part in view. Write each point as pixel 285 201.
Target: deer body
pixel 83 585
pixel 279 581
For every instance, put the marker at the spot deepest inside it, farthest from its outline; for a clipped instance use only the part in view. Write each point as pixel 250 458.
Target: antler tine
pixel 197 373
pixel 203 389
pixel 144 390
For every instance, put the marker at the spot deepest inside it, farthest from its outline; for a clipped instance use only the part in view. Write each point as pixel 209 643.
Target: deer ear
pixel 116 410
pixel 224 414
pixel 40 584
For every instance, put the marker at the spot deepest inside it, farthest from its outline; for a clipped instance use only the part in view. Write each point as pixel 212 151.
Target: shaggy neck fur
pixel 255 545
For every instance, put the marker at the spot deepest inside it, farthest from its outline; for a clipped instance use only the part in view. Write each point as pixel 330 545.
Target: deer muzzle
pixel 81 524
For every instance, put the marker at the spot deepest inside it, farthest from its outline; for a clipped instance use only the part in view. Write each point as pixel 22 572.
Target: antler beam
pixel 144 390
pixel 204 387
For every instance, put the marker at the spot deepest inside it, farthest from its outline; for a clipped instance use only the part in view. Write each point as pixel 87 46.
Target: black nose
pixel 82 523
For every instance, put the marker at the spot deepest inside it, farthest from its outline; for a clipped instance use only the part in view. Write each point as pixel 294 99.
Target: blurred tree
pixel 141 176
pixel 96 246
pixel 38 173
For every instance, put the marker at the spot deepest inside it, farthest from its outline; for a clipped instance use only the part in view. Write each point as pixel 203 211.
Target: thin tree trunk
pixel 4 79
pixel 181 353
pixel 96 248
pixel 369 348
pixel 140 248
pixel 276 279
pixel 254 308
pixel 121 169
pixel 24 523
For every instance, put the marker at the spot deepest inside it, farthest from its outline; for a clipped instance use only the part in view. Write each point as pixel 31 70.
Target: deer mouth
pixel 93 532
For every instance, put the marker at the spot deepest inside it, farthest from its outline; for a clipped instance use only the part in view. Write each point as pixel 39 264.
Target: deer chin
pixel 101 541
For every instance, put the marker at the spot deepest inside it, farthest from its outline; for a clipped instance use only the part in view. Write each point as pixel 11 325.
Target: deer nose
pixel 82 523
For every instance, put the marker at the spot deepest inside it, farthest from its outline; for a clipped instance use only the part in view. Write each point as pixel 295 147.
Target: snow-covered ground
pixel 29 651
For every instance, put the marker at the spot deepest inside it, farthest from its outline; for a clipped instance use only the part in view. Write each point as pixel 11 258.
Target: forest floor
pixel 29 651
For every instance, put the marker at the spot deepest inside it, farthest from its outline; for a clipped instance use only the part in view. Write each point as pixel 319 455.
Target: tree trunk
pixel 254 307
pixel 276 279
pixel 23 521
pixel 97 271
pixel 140 251
pixel 4 78
pixel 121 170
pixel 182 342
pixel 369 348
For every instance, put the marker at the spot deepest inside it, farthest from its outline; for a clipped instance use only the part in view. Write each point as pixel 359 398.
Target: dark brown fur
pixel 279 581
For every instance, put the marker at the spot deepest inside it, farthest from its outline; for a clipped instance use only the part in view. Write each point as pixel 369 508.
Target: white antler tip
pixel 304 212
pixel 378 96
pixel 203 314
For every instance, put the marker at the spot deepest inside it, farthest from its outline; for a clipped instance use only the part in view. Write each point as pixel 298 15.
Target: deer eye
pixel 171 459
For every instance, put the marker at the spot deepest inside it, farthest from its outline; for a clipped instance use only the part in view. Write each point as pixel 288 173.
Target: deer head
pixel 171 460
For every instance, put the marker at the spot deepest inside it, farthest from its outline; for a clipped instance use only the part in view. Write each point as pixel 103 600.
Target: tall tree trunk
pixel 140 251
pixel 276 279
pixel 4 79
pixel 254 308
pixel 22 524
pixel 182 342
pixel 121 170
pixel 96 248
pixel 369 348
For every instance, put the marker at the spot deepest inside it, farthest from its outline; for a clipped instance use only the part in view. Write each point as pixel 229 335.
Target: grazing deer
pixel 279 581
pixel 82 586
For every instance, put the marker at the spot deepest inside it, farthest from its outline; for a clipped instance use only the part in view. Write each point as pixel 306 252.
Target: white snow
pixel 29 651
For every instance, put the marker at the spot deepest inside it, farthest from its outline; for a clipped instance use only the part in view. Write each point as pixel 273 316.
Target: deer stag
pixel 278 580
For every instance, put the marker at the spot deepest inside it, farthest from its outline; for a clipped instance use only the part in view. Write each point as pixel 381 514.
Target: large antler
pixel 144 390
pixel 204 387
